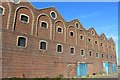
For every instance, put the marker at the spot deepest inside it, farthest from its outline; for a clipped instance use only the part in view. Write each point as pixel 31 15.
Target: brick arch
pixel 71 70
pixel 59 36
pixel 28 28
pixel 71 40
pixel 7 13
pixel 47 32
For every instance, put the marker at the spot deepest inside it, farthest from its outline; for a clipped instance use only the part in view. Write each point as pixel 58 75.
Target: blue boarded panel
pixel 106 66
pixel 82 70
pixel 113 67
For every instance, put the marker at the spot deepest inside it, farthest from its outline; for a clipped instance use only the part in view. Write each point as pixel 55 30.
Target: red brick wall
pixel 33 62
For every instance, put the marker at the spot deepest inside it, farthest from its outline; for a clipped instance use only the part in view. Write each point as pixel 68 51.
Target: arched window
pixel 22 41
pixel 102 55
pixel 2 9
pixel 96 42
pixel 106 56
pixel 101 44
pixel 71 33
pixel 89 40
pixel 82 52
pixel 77 25
pixel 97 55
pixel 81 37
pixel 59 48
pixel 72 50
pixel 90 53
pixel 92 32
pixel 53 14
pixel 44 24
pixel 43 45
pixel 59 29
pixel 24 18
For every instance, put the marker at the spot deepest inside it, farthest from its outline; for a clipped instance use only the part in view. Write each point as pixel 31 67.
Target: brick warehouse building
pixel 40 43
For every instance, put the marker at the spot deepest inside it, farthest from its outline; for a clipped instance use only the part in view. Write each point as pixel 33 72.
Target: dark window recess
pixel 92 32
pixel 1 11
pixel 102 55
pixel 106 56
pixel 77 25
pixel 43 45
pixel 53 15
pixel 81 37
pixel 89 40
pixel 60 30
pixel 111 57
pixel 95 42
pixel 59 48
pixel 22 41
pixel 101 44
pixel 82 52
pixel 72 50
pixel 90 53
pixel 71 34
pixel 44 24
pixel 24 18
pixel 97 55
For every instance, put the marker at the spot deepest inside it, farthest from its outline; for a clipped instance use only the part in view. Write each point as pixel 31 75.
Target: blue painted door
pixel 82 70
pixel 106 66
pixel 113 67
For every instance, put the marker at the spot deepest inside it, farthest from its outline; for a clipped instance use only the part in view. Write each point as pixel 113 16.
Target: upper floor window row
pixel 2 9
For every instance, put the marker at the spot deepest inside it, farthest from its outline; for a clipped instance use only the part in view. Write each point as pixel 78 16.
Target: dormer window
pixel 24 18
pixel 1 10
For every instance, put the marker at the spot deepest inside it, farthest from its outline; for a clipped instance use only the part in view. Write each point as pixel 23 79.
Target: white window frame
pixel 83 52
pixel 55 14
pixel 61 29
pixel 80 37
pixel 73 33
pixel 96 56
pixel 57 47
pixel 25 42
pixel 74 50
pixel 93 32
pixel 24 15
pixel 3 10
pixel 45 22
pixel 46 45
pixel 16 3
pixel 78 25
